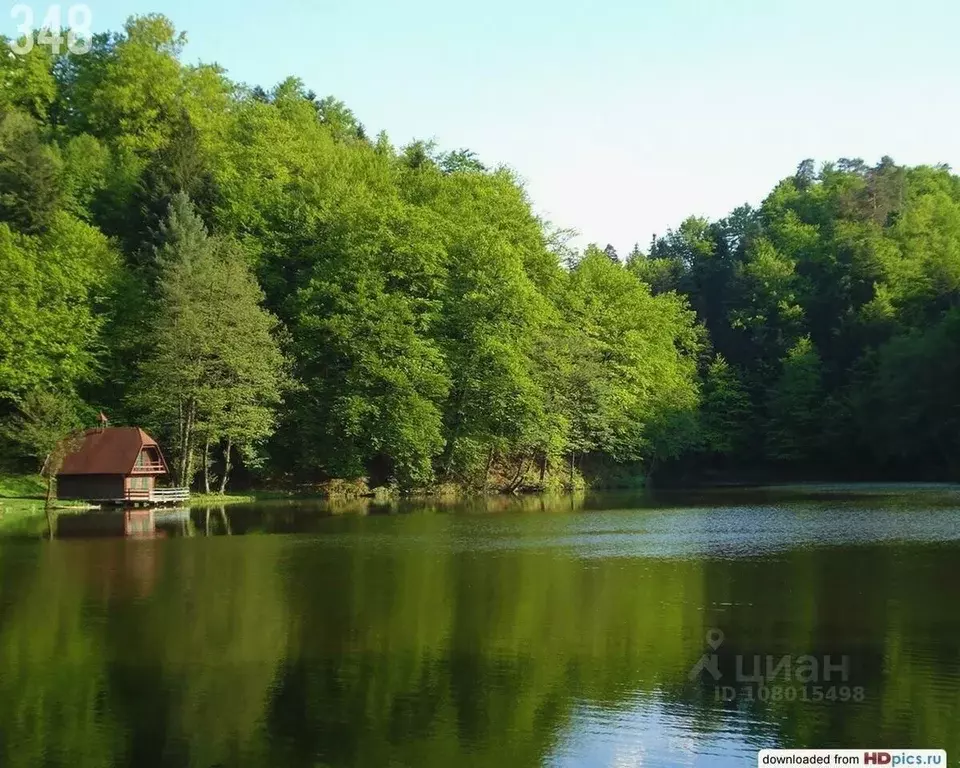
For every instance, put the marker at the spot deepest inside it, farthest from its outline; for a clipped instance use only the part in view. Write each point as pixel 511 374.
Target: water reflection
pixel 138 523
pixel 432 638
pixel 131 523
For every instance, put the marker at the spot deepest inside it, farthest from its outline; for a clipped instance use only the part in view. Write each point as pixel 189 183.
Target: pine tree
pixel 214 371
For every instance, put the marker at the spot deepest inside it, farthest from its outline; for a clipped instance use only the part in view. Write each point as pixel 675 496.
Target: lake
pixel 608 630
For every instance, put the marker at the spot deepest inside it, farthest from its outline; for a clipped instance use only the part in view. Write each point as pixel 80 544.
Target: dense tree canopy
pixel 835 305
pixel 247 272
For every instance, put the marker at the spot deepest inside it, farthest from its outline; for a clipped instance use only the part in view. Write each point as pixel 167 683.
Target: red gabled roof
pixel 110 451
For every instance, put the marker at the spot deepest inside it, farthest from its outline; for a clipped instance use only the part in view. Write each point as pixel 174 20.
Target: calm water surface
pixel 537 632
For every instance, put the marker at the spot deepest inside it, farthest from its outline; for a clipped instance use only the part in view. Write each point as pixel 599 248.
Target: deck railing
pixel 170 494
pixel 148 466
pixel 159 495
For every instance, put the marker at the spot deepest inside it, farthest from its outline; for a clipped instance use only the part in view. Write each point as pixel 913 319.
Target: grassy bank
pixel 29 491
pixel 215 499
pixel 22 487
pixel 25 495
pixel 22 504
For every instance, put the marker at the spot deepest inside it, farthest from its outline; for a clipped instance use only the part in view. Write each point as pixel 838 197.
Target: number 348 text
pixel 75 37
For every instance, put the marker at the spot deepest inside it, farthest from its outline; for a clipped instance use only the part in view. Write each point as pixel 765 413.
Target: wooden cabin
pixel 116 465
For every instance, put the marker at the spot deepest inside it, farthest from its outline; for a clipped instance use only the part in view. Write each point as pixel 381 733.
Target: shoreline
pixel 24 495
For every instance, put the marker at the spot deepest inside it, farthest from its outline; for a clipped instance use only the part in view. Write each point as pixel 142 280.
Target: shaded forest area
pixel 256 280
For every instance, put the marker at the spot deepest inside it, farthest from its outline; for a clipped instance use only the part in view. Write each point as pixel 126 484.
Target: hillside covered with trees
pixel 251 276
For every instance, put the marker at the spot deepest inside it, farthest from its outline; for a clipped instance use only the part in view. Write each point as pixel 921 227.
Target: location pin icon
pixel 714 638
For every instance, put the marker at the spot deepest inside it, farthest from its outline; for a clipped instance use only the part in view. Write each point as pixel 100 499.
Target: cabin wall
pixel 90 487
pixel 140 483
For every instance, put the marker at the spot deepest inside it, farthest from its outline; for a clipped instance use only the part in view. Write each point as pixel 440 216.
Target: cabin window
pixel 139 483
pixel 146 459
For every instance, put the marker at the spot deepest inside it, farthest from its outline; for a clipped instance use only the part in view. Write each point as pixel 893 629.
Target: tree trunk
pixel 650 471
pixel 451 443
pixel 518 477
pixel 183 462
pixel 48 507
pixel 226 466
pixel 51 492
pixel 181 442
pixel 206 466
pixel 486 471
pixel 188 446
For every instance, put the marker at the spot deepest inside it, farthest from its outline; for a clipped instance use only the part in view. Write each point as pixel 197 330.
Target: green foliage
pixel 633 389
pixel 29 175
pixel 214 370
pixel 440 331
pixel 912 409
pixel 136 91
pixel 28 82
pixel 43 420
pixel 726 410
pixel 339 119
pixel 794 405
pixel 812 296
pixel 21 486
pixel 50 289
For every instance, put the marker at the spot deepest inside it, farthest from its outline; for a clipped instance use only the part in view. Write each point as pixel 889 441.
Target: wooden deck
pixel 155 497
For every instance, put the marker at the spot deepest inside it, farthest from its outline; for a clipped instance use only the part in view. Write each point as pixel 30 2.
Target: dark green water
pixel 533 633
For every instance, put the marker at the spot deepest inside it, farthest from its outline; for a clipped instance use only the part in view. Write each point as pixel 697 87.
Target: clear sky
pixel 623 117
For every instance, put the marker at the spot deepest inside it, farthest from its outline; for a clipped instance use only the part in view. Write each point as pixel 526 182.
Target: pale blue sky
pixel 622 117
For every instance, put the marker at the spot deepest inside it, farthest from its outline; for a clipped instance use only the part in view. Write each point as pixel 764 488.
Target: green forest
pixel 284 299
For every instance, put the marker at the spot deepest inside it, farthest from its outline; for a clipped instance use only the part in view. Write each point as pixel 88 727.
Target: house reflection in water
pixel 140 524
pixel 129 523
pixel 124 553
pixel 133 523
